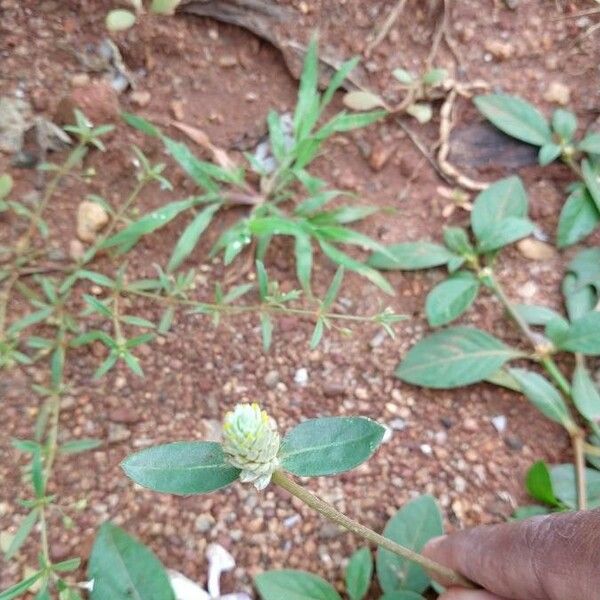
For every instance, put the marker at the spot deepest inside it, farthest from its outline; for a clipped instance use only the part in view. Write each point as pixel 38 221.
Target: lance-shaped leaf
pixel 583 335
pixel 124 569
pixel 181 468
pixel 586 396
pixel 329 445
pixel 451 298
pixel 410 256
pixel 543 395
pixel 454 357
pixel 578 218
pixel 358 574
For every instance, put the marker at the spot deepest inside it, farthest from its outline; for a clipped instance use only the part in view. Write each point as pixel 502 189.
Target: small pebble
pixel 301 376
pixel 499 423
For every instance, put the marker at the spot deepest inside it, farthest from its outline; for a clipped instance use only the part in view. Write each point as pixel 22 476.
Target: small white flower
pixel 251 443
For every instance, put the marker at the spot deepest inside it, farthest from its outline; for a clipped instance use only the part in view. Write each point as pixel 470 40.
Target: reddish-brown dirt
pixel 223 80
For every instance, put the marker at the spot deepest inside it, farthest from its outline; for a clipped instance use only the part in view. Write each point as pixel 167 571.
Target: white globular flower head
pixel 251 443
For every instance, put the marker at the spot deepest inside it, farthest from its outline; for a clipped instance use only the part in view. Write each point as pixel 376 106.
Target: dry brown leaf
pixel 198 136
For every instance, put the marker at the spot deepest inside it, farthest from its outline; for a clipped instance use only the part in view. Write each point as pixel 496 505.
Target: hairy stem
pixel 332 514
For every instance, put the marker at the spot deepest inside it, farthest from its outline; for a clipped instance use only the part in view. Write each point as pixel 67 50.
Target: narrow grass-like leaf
pixel 141 124
pixel 77 446
pixel 181 468
pixel 22 533
pixel 516 117
pixel 366 271
pixel 329 445
pixel 411 256
pixel 30 319
pixel 189 238
pixel 454 357
pixel 337 80
pixel 590 143
pixel 317 333
pixel 304 260
pixel 307 105
pixel 266 329
pixel 20 588
pixel 334 289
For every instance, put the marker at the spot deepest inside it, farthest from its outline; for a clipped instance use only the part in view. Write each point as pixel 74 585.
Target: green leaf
pixel 358 574
pixel 137 321
pixel 334 289
pixel 451 298
pixel 64 566
pixel 189 238
pixel 543 395
pixel 124 569
pixel 583 335
pixel 22 533
pixel 410 256
pixel 6 184
pixel 556 329
pixel 502 378
pixel 535 315
pixel 150 222
pixel 304 260
pixel 565 489
pixel 579 299
pixel 549 153
pixel 329 445
pixel 342 259
pixel 586 396
pixel 141 124
pixel 402 595
pixel 403 76
pixel 412 526
pixel 434 77
pixel 266 329
pixel 181 468
pixel 119 20
pixel 29 320
pixel 505 232
pixel 591 176
pixel 457 240
pixel 77 446
pixel 307 105
pixel 343 122
pixel 515 117
pixel 590 143
pixel 338 79
pixel 293 585
pixel 502 199
pixel 317 333
pixel 166 320
pixel 454 357
pixel 263 280
pixel 164 7
pixel 564 122
pixel 586 267
pixel 578 218
pixel 20 588
pixel 539 484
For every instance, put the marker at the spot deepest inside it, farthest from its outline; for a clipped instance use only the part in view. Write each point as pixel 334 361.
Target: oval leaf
pixel 412 526
pixel 124 569
pixel 451 298
pixel 539 484
pixel 360 100
pixel 293 585
pixel 329 445
pixel 119 20
pixel 454 357
pixel 515 117
pixel 181 468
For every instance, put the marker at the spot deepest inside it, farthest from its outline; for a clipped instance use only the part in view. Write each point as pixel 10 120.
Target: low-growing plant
pixel 458 356
pixel 253 452
pixel 287 201
pixel 51 326
pixel 556 139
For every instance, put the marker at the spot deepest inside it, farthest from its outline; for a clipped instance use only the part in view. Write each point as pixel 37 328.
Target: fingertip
pixel 433 545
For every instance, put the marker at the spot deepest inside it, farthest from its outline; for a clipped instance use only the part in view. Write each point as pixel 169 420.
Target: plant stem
pixel 448 576
pixel 578 450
